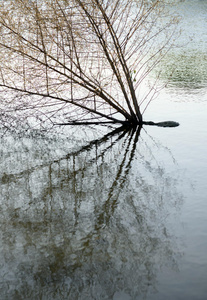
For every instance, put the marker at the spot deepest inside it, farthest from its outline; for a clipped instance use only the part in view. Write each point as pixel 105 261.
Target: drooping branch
pixel 122 62
pixel 111 60
pixel 80 54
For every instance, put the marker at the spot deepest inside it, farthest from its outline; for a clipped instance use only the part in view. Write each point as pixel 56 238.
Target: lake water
pixel 116 215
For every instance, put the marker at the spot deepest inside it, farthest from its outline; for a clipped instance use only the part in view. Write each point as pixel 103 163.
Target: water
pixel 114 215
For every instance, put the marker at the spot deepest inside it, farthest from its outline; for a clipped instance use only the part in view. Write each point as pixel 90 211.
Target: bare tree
pixel 81 61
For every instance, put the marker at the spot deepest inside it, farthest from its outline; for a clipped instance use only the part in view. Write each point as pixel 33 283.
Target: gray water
pixel 96 213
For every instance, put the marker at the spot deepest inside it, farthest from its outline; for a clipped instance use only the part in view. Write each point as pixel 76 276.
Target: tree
pixel 81 61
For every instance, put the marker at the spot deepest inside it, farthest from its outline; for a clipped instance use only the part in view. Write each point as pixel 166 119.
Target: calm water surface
pixel 116 215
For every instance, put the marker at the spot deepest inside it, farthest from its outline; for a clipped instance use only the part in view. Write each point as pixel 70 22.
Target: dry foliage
pixel 80 61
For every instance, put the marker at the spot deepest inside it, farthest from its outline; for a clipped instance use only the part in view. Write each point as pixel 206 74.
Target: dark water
pixel 117 215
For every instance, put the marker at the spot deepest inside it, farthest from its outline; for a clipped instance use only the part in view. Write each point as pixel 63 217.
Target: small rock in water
pixel 168 124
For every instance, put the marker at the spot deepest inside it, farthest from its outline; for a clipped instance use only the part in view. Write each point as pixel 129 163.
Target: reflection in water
pixel 185 67
pixel 186 70
pixel 90 224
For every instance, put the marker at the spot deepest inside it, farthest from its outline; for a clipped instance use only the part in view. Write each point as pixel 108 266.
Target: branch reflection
pixel 91 224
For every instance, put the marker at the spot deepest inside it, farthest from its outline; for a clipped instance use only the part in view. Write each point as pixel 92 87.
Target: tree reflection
pixel 91 224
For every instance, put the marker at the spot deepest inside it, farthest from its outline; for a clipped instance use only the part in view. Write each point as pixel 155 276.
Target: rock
pixel 162 124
